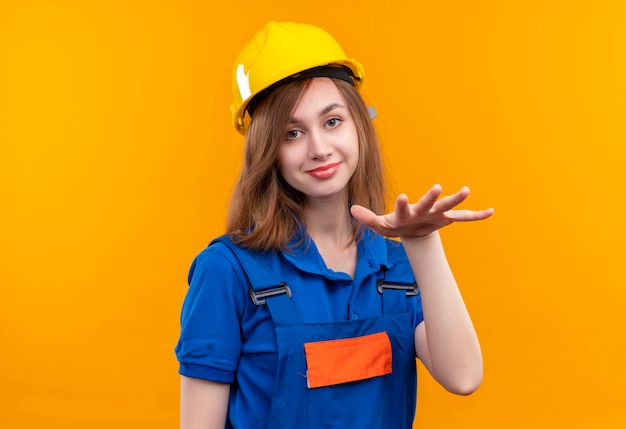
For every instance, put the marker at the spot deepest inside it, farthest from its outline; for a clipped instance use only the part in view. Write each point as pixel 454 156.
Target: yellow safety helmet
pixel 282 52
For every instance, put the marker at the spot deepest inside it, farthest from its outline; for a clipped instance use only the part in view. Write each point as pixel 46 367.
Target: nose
pixel 319 146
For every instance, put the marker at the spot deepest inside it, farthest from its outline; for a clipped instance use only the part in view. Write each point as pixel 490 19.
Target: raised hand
pixel 420 219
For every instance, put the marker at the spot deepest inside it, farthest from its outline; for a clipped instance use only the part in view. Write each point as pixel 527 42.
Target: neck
pixel 329 221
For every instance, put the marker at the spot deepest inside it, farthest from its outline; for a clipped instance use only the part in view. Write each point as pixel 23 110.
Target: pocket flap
pixel 350 359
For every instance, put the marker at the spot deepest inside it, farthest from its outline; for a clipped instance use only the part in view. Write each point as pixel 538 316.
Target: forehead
pixel 319 94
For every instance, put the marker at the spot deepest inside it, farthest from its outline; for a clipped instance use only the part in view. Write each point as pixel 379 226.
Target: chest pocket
pixel 351 359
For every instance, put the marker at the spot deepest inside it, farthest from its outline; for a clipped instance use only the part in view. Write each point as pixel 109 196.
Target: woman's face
pixel 320 150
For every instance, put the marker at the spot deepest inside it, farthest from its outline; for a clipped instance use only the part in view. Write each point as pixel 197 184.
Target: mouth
pixel 324 171
pixel 323 168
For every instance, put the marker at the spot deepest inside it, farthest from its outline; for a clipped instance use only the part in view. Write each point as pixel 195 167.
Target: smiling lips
pixel 325 171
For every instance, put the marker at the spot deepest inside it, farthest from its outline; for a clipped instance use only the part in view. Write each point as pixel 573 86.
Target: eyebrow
pixel 324 111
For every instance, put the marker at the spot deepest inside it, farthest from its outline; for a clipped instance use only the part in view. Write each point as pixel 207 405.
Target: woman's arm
pixel 446 341
pixel 203 403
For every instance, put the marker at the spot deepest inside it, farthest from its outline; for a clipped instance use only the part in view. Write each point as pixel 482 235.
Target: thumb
pixel 363 215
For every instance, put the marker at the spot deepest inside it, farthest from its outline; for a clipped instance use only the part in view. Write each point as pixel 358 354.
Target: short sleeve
pixel 209 345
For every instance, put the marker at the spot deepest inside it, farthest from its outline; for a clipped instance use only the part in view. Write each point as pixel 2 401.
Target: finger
pixel 428 200
pixel 468 215
pixel 401 207
pixel 449 202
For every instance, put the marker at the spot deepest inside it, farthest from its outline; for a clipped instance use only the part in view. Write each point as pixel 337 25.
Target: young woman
pixel 305 313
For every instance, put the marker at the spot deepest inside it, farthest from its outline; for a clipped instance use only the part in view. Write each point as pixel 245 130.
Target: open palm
pixel 420 219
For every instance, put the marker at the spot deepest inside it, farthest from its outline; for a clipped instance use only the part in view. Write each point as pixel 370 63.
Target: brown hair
pixel 265 212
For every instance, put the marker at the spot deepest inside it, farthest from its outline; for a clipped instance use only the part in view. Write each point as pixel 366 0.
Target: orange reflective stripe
pixel 351 359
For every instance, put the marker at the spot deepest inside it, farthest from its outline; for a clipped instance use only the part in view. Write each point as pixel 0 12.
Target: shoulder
pixel 392 255
pixel 215 260
pixel 385 248
pixel 225 258
pixel 395 249
pixel 386 252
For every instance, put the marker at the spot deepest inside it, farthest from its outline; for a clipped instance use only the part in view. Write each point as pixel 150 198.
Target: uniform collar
pixel 303 254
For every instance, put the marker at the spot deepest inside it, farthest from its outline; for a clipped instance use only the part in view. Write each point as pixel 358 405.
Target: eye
pixel 292 134
pixel 333 122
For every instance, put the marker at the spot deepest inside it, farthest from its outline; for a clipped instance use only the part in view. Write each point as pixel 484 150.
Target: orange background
pixel 117 157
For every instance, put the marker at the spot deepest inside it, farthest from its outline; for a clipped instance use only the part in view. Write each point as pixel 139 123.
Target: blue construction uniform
pixel 276 353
